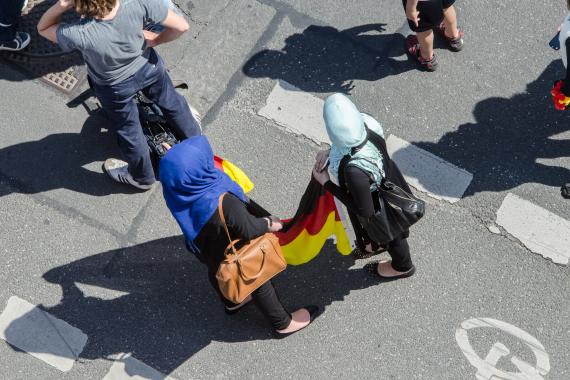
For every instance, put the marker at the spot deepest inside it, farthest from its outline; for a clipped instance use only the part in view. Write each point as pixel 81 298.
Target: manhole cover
pixel 64 73
pixel 39 46
pixel 44 59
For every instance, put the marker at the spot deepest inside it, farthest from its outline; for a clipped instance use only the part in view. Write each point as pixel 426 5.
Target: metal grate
pixel 39 46
pixel 64 73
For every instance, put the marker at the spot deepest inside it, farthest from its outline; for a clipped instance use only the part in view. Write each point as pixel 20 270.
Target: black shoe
pixel 313 312
pixel 372 268
pixel 21 41
pixel 359 254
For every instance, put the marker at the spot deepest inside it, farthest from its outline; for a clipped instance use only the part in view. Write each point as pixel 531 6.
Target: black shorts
pixel 431 14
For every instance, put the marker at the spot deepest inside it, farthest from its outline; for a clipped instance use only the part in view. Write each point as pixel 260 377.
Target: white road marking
pixel 126 367
pixel 100 293
pixel 302 113
pixel 539 230
pixel 486 368
pixel 40 334
pixel 298 111
pixel 427 172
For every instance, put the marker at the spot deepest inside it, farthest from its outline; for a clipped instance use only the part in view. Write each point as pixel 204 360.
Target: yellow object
pixel 305 247
pixel 237 175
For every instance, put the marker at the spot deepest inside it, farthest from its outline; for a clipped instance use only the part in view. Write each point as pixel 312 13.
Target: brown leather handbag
pixel 253 265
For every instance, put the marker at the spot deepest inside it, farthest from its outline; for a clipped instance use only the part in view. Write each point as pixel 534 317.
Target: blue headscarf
pixel 192 185
pixel 346 129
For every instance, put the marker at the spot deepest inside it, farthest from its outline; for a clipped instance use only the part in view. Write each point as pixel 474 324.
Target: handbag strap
pixel 223 219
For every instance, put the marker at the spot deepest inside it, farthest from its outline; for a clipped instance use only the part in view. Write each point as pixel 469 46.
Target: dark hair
pixel 96 8
pixel 568 4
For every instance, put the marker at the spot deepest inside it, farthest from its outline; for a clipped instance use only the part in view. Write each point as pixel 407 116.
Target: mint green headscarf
pixel 345 126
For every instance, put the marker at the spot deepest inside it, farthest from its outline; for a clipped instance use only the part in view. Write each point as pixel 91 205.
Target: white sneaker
pixel 196 116
pixel 119 171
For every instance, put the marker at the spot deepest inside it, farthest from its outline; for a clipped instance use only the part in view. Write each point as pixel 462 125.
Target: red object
pixel 313 222
pixel 560 100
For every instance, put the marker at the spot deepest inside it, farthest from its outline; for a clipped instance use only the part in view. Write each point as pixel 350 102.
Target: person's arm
pixel 47 27
pixel 244 226
pixel 412 11
pixel 359 199
pixel 565 88
pixel 175 27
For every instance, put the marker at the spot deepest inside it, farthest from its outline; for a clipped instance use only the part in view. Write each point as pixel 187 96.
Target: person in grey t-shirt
pixel 121 61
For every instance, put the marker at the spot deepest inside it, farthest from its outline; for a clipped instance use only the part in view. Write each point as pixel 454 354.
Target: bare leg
pixel 426 44
pixel 450 22
pixel 299 319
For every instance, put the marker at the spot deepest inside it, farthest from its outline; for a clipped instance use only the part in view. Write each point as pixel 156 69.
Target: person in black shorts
pixel 425 15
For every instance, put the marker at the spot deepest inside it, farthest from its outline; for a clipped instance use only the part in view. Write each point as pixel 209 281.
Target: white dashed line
pixel 298 111
pixel 539 230
pixel 40 334
pixel 126 367
pixel 427 172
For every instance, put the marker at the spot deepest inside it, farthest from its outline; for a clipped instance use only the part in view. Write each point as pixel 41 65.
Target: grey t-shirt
pixel 113 49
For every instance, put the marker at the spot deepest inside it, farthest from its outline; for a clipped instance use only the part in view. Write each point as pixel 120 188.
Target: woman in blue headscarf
pixel 192 186
pixel 351 133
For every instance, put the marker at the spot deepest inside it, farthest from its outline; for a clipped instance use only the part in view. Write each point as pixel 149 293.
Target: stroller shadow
pixel 169 311
pixel 63 160
pixel 511 142
pixel 324 59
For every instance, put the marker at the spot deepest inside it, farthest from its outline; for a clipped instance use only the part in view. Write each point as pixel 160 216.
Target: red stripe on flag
pixel 218 163
pixel 312 223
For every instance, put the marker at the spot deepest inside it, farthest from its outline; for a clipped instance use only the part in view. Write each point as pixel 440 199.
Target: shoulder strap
pixel 223 219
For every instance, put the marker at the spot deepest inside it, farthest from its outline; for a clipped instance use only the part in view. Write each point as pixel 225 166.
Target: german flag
pixel 318 217
pixel 234 172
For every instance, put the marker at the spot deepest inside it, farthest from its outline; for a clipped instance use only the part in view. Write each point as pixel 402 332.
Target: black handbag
pixel 395 209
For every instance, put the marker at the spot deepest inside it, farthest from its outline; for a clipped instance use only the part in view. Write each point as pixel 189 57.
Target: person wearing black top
pixel 346 127
pixel 192 186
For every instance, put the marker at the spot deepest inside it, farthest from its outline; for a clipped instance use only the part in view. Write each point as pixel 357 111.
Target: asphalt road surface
pixel 103 271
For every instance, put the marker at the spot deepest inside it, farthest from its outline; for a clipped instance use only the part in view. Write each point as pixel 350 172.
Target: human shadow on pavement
pixel 324 59
pixel 170 311
pixel 504 147
pixel 63 160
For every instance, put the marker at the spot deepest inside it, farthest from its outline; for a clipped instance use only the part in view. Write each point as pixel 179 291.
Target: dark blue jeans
pixel 119 104
pixel 10 11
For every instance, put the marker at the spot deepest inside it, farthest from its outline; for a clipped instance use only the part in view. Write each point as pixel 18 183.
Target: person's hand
pixel 150 39
pixel 412 13
pixel 66 4
pixel 560 28
pixel 277 224
pixel 166 147
pixel 322 157
pixel 321 177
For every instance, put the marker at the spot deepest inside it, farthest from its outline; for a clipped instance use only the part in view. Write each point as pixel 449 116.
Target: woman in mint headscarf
pixel 351 133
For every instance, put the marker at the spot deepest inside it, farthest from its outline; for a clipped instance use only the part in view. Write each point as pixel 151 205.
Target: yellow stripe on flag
pixel 305 247
pixel 237 175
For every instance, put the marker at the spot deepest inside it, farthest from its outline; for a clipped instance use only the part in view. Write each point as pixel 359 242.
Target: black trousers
pixel 265 297
pixel 400 254
pixel 398 249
